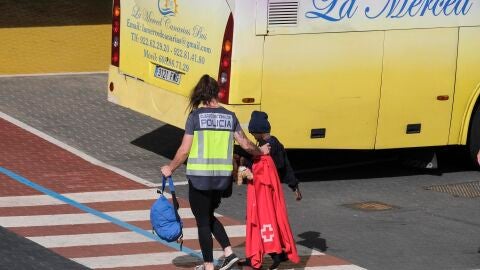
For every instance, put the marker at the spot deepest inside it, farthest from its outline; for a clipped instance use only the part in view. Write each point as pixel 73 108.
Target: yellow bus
pixel 331 74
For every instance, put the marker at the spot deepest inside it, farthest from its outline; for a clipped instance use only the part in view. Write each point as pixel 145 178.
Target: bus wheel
pixel 474 137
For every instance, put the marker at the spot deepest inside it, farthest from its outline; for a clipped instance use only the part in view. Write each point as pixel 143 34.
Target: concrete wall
pixel 54 36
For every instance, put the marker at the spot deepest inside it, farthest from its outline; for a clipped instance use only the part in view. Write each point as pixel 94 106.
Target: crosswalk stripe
pixel 83 197
pixel 56 241
pixel 238 243
pixel 162 258
pixel 135 260
pixel 85 218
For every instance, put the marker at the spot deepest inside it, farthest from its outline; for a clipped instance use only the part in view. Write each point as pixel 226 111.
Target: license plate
pixel 167 75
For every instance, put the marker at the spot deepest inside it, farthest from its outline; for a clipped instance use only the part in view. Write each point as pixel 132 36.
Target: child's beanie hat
pixel 259 123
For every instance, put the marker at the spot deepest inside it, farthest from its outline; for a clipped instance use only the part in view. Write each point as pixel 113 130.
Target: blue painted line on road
pixel 97 213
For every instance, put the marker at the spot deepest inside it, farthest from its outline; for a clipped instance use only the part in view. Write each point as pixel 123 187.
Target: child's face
pixel 257 136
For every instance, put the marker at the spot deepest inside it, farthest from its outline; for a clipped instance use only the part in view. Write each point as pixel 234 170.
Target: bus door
pixel 417 87
pixel 321 91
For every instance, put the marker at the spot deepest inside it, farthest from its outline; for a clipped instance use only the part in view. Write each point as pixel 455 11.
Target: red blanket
pixel 268 228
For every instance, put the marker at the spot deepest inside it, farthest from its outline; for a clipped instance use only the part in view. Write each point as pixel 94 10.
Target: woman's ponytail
pixel 205 90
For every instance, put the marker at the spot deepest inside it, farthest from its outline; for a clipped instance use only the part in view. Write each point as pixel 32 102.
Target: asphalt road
pixel 424 229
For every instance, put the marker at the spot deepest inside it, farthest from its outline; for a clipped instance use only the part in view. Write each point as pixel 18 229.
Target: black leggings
pixel 203 204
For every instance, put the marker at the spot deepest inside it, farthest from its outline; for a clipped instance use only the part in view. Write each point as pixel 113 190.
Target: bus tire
pixel 474 136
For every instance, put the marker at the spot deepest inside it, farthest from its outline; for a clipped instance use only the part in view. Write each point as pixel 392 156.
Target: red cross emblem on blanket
pixel 267 233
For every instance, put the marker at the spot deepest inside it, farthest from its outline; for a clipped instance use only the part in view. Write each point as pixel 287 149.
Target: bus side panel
pixel 323 81
pixel 468 79
pixel 419 66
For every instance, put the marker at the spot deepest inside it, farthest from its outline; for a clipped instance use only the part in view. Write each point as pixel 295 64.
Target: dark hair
pixel 205 90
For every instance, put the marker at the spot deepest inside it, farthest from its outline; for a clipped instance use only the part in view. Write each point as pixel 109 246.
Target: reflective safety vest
pixel 211 154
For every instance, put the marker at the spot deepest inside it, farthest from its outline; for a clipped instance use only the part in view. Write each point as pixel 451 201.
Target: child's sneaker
pixel 277 259
pixel 229 262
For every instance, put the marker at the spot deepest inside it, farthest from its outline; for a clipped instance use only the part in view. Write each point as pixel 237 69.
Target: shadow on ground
pixel 17 252
pixel 163 141
pixel 312 240
pixel 326 165
pixel 314 165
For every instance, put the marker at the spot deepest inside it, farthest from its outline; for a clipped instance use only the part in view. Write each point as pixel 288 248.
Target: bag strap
pixel 171 186
pixel 170 183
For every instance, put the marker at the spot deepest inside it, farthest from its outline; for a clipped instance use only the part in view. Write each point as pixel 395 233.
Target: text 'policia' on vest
pixel 216 120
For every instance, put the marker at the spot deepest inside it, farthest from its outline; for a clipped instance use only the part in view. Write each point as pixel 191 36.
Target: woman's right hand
pixel 166 171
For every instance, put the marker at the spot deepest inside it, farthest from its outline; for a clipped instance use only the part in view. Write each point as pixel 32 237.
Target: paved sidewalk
pixel 74 110
pixel 86 239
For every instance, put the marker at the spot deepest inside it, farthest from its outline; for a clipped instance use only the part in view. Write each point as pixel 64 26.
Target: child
pixel 259 127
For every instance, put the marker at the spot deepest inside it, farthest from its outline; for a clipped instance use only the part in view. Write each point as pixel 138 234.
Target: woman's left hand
pixel 265 149
pixel 166 171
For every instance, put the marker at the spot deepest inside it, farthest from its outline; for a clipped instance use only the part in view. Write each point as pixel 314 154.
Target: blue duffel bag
pixel 166 222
